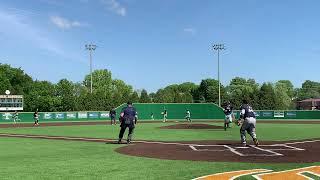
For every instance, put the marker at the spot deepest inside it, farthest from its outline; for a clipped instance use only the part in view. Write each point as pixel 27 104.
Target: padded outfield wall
pixel 177 110
pixel 199 111
pixel 57 116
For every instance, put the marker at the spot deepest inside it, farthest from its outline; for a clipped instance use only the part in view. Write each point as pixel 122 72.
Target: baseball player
pixel 113 115
pixel 228 111
pixel 36 118
pixel 128 120
pixel 165 115
pixel 188 115
pixel 249 123
pixel 15 117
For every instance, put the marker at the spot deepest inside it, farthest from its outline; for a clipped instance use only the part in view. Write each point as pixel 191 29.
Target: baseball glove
pixel 239 122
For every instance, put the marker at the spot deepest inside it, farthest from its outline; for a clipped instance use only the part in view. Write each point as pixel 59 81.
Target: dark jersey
pixel 129 114
pixel 246 111
pixel 228 109
pixel 35 115
pixel 113 113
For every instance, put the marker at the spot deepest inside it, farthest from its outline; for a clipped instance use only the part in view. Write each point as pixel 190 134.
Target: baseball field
pixel 172 150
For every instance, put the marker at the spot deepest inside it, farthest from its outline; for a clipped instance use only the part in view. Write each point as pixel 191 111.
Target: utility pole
pixel 91 47
pixel 218 48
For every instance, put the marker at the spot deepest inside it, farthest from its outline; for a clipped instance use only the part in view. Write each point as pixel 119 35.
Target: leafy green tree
pixel 209 89
pixel 267 97
pixel 101 80
pixel 310 89
pixel 240 89
pixel 144 97
pixel 65 90
pixel 42 97
pixel 80 93
pixel 282 98
pixel 134 98
pixel 120 92
pixel 152 97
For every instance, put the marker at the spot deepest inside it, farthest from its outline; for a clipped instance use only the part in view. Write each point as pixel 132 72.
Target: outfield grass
pixel 52 159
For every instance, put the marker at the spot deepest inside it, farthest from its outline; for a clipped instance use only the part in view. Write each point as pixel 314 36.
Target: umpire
pixel 128 120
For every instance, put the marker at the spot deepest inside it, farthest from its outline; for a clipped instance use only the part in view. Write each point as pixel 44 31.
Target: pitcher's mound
pixel 191 126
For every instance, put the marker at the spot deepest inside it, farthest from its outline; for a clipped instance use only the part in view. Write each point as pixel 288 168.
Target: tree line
pixel 109 93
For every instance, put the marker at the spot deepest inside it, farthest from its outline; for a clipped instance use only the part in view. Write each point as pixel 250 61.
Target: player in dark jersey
pixel 113 115
pixel 228 111
pixel 36 118
pixel 128 120
pixel 249 123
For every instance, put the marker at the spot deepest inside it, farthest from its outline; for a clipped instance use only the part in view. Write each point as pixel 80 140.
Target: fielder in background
pixel 113 115
pixel 136 117
pixel 15 117
pixel 228 111
pixel 188 116
pixel 152 118
pixel 36 118
pixel 128 120
pixel 248 123
pixel 165 115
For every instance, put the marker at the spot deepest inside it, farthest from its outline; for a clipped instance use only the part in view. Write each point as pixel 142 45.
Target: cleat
pixel 119 141
pixel 256 142
pixel 128 141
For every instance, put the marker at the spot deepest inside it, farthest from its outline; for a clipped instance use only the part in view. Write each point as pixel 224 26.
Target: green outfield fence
pixel 56 116
pixel 201 111
pixel 177 110
pixel 278 114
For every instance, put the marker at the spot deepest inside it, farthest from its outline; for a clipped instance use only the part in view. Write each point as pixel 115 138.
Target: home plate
pixel 242 147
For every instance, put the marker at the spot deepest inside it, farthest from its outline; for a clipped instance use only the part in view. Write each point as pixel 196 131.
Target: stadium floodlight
pixel 91 47
pixel 218 48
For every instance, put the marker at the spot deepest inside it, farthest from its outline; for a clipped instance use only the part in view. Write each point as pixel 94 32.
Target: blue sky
pixel 153 43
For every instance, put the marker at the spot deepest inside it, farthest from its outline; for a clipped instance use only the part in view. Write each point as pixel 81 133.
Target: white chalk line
pixel 267 150
pixel 234 150
pixel 214 150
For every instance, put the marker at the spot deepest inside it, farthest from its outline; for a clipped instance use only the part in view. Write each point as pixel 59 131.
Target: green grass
pixel 151 131
pixel 45 159
pixel 52 159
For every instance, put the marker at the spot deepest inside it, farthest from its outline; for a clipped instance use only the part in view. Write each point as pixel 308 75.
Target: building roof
pixel 311 100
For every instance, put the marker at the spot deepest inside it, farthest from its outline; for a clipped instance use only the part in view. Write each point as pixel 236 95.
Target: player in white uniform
pixel 249 123
pixel 188 115
pixel 228 111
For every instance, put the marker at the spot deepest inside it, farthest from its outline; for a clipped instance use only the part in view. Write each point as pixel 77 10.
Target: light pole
pixel 219 47
pixel 91 47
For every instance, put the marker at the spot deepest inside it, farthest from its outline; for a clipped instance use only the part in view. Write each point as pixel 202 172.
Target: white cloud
pixel 114 6
pixel 190 30
pixel 64 23
pixel 20 28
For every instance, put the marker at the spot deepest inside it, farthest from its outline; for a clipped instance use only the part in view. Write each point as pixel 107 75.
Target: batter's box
pixel 241 151
pixel 254 151
pixel 208 148
pixel 281 147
